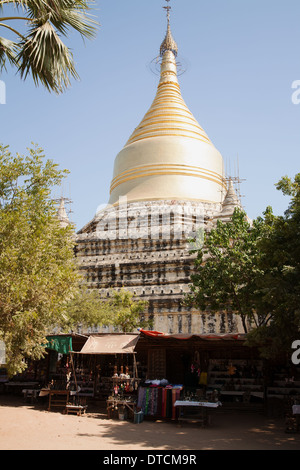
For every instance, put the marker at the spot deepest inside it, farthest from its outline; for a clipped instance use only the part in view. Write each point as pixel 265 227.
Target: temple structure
pixel 62 214
pixel 168 185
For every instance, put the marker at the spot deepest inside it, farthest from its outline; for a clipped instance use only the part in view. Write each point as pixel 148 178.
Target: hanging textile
pixel 61 344
pixel 159 401
pixel 203 378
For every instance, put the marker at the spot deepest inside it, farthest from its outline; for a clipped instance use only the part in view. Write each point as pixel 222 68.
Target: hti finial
pixel 168 43
pixel 168 8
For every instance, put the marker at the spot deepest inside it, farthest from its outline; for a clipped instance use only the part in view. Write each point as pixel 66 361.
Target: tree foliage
pixel 41 290
pixel 121 311
pixel 280 285
pixel 37 271
pixel 85 309
pixel 253 270
pixel 37 48
pixel 125 312
pixel 227 268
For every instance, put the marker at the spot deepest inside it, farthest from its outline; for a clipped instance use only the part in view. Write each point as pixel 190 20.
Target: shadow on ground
pixel 227 431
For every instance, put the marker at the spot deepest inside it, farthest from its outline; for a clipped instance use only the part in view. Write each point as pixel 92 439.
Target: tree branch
pixel 5 18
pixel 13 30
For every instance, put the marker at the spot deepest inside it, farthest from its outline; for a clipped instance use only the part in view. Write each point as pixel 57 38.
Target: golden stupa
pixel 174 182
pixel 168 156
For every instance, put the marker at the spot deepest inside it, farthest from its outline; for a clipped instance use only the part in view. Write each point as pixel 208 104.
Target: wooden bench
pixel 78 409
pixel 58 398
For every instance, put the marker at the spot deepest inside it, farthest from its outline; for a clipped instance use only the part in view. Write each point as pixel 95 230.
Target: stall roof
pixel 182 336
pixel 110 344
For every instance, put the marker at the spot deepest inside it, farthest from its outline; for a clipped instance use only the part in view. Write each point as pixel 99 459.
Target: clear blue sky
pixel 242 57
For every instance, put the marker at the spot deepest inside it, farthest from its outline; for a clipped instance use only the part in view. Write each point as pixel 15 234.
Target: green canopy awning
pixel 61 344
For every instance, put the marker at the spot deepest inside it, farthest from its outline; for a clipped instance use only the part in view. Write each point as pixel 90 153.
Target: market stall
pixel 115 371
pixel 153 375
pixel 193 369
pixel 50 372
pixel 58 369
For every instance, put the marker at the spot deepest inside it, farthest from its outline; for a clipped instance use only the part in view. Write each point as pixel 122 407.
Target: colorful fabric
pixel 61 344
pixel 203 378
pixel 159 401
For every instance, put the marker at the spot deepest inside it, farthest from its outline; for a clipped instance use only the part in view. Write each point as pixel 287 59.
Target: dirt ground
pixel 29 426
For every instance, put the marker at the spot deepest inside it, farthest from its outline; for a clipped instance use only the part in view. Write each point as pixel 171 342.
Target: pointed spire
pixel 168 114
pixel 230 203
pixel 168 43
pixel 62 214
pixel 231 199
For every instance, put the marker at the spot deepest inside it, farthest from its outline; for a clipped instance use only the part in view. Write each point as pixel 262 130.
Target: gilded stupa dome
pixel 168 156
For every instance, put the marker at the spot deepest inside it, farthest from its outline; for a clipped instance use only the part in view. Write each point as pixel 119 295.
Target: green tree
pixel 37 48
pixel 125 312
pixel 121 311
pixel 280 285
pixel 40 285
pixel 227 269
pixel 254 271
pixel 38 275
pixel 85 309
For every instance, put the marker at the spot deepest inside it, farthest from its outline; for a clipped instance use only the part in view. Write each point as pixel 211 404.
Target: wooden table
pixel 196 411
pixel 30 393
pixel 19 386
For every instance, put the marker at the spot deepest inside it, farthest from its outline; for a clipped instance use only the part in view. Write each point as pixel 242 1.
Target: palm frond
pixel 61 13
pixel 64 14
pixel 41 52
pixel 8 51
pixel 47 59
pixel 77 19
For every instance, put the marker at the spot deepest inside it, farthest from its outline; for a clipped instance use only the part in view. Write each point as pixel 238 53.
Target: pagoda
pixel 168 185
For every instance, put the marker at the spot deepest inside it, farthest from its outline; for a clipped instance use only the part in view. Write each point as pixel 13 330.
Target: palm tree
pixel 37 49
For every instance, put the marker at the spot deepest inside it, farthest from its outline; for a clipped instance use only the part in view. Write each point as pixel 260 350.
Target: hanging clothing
pixel 159 401
pixel 203 378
